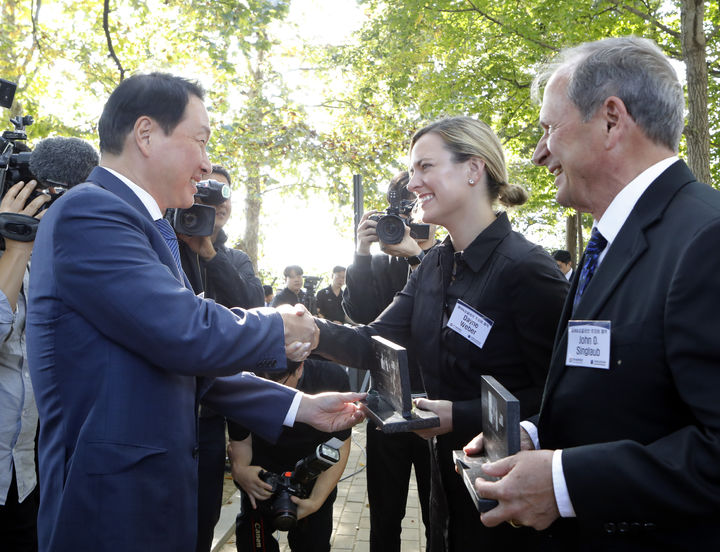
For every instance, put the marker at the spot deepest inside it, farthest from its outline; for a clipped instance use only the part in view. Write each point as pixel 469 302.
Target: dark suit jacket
pixel 642 440
pixel 115 343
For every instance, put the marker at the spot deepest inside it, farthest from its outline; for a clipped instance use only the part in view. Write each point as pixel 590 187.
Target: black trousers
pixel 390 459
pixel 18 521
pixel 211 474
pixel 254 532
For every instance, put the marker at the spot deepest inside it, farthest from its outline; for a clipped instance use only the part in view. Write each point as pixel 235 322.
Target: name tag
pixel 470 324
pixel 588 344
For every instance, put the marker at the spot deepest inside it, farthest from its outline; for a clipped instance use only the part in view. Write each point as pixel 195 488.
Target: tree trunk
pixel 692 14
pixel 253 203
pixel 571 237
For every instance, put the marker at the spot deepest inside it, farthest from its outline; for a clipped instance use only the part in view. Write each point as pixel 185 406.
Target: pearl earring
pixel 471 182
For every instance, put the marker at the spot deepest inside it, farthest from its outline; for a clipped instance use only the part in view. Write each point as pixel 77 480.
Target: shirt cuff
pixel 562 497
pixel 532 432
pixel 292 411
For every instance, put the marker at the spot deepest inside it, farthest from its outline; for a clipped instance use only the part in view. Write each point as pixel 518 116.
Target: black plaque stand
pixel 501 438
pixel 389 402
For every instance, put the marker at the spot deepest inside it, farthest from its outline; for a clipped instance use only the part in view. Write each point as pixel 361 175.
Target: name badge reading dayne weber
pixel 588 344
pixel 470 324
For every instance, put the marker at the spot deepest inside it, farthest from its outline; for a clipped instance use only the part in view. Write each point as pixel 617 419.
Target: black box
pixel 501 437
pixel 389 402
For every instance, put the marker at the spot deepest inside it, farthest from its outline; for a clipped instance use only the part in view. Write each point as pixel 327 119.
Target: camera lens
pixel 390 229
pixel 189 221
pixel 285 511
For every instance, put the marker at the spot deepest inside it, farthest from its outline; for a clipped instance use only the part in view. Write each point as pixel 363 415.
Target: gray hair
pixel 631 68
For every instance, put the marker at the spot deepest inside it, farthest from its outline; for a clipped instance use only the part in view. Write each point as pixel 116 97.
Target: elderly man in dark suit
pixel 630 419
pixel 121 351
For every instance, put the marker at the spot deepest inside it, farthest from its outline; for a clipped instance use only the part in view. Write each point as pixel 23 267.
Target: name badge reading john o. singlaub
pixel 470 324
pixel 588 344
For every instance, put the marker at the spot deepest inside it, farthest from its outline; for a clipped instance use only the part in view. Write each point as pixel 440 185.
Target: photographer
pixel 18 414
pixel 372 282
pixel 329 299
pixel 292 293
pixel 252 455
pixel 227 276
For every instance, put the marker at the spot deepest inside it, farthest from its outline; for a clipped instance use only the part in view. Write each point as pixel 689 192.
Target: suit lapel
pixel 105 179
pixel 629 245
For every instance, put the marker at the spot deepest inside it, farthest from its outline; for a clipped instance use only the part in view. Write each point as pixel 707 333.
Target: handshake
pixel 301 332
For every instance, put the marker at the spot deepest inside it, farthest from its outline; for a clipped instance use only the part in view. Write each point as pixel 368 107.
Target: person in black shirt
pixel 329 299
pixel 292 293
pixel 372 283
pixel 250 455
pixel 483 270
pixel 227 276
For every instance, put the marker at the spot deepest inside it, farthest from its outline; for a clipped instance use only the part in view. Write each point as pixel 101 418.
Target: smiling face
pixel 180 157
pixel 441 185
pixel 569 147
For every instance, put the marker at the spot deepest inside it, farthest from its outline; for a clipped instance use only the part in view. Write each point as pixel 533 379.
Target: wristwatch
pixel 416 259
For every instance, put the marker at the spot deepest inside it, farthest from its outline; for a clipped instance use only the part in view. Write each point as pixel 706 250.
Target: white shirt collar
pixel 620 208
pixel 147 200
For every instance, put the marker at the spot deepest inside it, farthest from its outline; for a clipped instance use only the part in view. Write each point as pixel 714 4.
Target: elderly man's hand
pixel 524 493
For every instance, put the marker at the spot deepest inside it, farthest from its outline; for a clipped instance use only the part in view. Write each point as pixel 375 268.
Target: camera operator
pixel 292 293
pixel 227 276
pixel 251 455
pixel 372 282
pixel 329 299
pixel 18 413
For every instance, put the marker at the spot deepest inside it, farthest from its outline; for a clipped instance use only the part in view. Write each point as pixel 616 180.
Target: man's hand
pixel 305 506
pixel 14 201
pixel 525 493
pixel 366 233
pixel 406 248
pixel 202 245
pixel 248 477
pixel 330 412
pixel 301 332
pixel 443 409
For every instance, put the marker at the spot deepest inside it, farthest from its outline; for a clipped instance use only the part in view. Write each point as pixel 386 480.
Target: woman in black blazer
pixel 458 174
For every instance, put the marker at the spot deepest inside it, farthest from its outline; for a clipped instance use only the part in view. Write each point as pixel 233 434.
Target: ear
pixel 615 119
pixel 476 169
pixel 142 132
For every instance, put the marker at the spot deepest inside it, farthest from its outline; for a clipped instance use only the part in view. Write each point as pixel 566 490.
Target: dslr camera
pixel 199 220
pixel 391 225
pixel 14 167
pixel 279 507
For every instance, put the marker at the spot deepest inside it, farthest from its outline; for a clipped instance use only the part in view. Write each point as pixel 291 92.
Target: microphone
pixel 61 161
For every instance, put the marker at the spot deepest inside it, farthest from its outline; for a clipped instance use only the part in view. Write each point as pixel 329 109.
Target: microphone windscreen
pixel 61 160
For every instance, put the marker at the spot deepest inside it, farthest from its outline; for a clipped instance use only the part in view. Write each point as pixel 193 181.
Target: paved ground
pixel 351 528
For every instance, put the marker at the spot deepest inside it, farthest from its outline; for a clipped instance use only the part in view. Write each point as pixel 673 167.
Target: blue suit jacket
pixel 116 343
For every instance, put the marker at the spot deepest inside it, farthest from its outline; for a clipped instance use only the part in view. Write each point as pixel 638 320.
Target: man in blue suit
pixel 122 351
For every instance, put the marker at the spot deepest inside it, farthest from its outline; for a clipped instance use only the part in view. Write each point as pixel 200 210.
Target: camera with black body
pixel 309 299
pixel 391 225
pixel 199 220
pixel 279 507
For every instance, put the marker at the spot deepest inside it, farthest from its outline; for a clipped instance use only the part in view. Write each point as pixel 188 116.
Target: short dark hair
pixel 219 169
pixel 267 290
pixel 292 268
pixel 338 268
pixel 399 185
pixel 292 367
pixel 161 96
pixel 562 255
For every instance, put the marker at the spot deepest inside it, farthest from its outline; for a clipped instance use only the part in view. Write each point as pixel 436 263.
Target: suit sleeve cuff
pixel 562 497
pixel 532 431
pixel 292 411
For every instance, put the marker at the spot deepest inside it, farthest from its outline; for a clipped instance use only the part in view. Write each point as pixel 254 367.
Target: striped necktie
pixel 595 246
pixel 171 239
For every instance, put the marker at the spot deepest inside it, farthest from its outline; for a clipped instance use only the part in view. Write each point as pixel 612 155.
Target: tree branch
pixel 620 6
pixel 106 11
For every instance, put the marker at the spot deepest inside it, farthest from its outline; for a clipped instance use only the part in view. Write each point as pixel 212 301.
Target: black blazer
pixel 642 440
